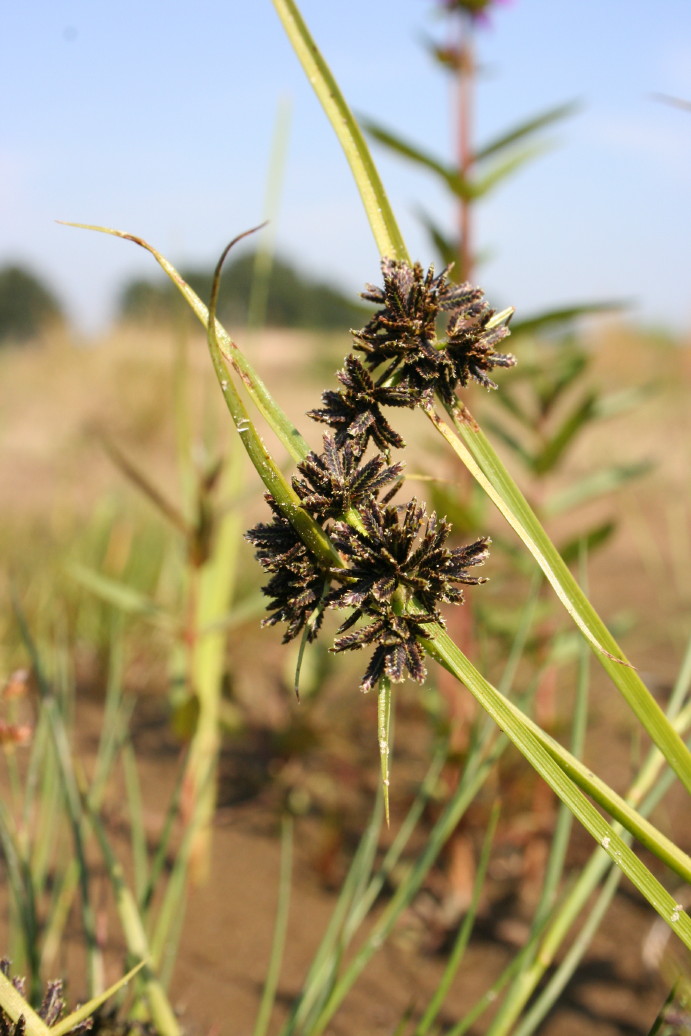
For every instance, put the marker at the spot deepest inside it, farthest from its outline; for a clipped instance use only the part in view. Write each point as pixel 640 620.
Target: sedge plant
pixel 335 540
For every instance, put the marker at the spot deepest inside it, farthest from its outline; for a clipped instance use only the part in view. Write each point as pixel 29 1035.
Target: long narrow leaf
pixel 408 150
pixel 482 185
pixel 525 129
pixel 162 1013
pixel 552 318
pixel 15 1007
pixel 282 426
pixel 442 647
pixel 280 927
pixel 84 1011
pixel 475 451
pixel 376 204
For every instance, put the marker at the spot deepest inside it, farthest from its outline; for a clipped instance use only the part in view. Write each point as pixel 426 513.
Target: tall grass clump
pixel 335 539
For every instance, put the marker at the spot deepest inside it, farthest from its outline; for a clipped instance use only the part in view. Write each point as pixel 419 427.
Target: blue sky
pixel 157 118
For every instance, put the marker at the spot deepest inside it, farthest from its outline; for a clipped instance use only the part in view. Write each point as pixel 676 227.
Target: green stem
pixel 382 220
pixel 473 448
pixel 279 422
pixel 312 535
pixel 441 647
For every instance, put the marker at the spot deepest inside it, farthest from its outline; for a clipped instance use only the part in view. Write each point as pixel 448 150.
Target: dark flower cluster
pixel 355 411
pixel 400 556
pixel 401 344
pixel 332 483
pixel 297 583
pixel 397 570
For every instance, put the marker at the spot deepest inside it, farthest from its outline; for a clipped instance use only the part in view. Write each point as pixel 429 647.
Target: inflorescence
pixel 397 570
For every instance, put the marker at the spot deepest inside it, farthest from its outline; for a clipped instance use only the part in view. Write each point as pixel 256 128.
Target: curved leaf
pixel 525 129
pixel 379 212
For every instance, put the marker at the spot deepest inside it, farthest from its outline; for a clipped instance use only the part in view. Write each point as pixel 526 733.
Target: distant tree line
pixel 292 299
pixel 28 307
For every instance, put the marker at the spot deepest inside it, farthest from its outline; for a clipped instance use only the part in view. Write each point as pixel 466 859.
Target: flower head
pixel 402 334
pixel 470 343
pixel 396 651
pixel 333 482
pixel 297 583
pixel 354 412
pixel 401 555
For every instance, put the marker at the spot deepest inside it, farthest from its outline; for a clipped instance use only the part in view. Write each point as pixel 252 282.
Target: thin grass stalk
pixel 525 739
pixel 473 448
pixel 490 996
pixel 284 429
pixel 50 708
pixel 376 204
pixel 273 970
pixel 135 815
pixel 84 1011
pixel 453 659
pixel 320 975
pixel 464 932
pixel 646 791
pixel 163 845
pixel 661 1025
pixel 116 716
pixel 615 804
pixel 393 854
pixel 57 917
pixel 554 870
pixel 482 757
pixel 215 584
pixel 23 903
pixel 176 888
pixel 567 966
pixel 562 829
pixel 263 260
pixel 162 1014
pixel 466 790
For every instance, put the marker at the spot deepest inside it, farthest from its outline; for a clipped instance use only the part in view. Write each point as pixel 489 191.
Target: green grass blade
pixel 409 150
pixel 280 927
pixel 384 738
pixel 135 813
pixel 280 489
pixel 15 1007
pixel 84 1011
pixel 471 781
pixel 162 1014
pixel 483 463
pixel 646 791
pixel 120 595
pixel 21 889
pixel 524 738
pixel 376 204
pixel 597 483
pixel 526 129
pixel 464 931
pixel 282 426
pixel 320 977
pixel 72 801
